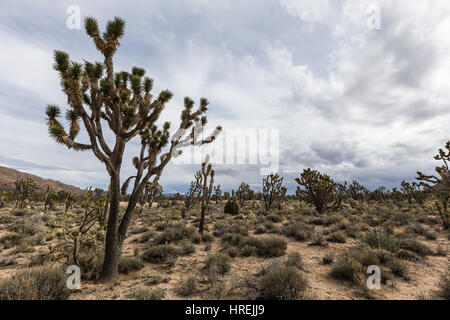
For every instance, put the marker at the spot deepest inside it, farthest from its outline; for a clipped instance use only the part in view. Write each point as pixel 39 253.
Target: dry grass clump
pixel 160 253
pixel 149 294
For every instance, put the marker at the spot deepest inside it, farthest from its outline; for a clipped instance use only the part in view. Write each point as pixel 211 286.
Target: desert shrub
pixel 430 235
pixel 348 268
pixel 415 228
pixel 248 251
pixel 188 287
pixel 415 246
pixel 207 237
pixel 401 219
pixel 160 253
pixel 90 263
pixel 187 247
pixel 274 218
pixel 444 284
pixel 10 240
pixel 231 207
pixel 174 232
pixel 42 283
pixel 299 231
pixel 271 247
pixel 398 267
pixel 280 282
pixel 233 239
pixel 232 251
pixel 154 280
pixel 149 294
pixel 294 259
pixel 318 239
pixel 146 236
pixel 381 240
pixel 216 291
pixel 328 258
pixel 337 237
pixel 219 261
pixel 128 264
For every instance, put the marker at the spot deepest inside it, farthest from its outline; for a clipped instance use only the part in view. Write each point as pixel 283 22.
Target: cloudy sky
pixel 347 98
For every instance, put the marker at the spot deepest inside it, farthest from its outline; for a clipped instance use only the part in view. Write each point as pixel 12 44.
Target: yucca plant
pixel 206 191
pixel 24 190
pixel 97 95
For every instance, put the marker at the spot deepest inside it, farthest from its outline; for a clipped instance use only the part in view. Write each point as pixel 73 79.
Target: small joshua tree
pixel 218 193
pixel 319 190
pixel 439 185
pixel 81 234
pixel 24 190
pixel 271 189
pixel 206 191
pixel 192 195
pixel 124 102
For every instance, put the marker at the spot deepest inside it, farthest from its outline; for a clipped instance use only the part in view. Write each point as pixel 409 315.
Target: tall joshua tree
pixel 271 189
pixel 122 103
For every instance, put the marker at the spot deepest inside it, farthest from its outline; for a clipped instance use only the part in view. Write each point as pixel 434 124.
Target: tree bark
pixel 110 269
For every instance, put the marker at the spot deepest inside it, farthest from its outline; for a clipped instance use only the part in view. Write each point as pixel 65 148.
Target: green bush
pixel 160 253
pixel 174 232
pixel 299 231
pixel 231 207
pixel 42 283
pixel 294 259
pixel 280 282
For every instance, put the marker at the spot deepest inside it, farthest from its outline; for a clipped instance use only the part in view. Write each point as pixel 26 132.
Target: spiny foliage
pixel 206 190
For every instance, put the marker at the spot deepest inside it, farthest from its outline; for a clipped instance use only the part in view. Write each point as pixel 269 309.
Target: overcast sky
pixel 348 98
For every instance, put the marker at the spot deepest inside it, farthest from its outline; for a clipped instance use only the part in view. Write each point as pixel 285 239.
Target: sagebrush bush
pixel 149 294
pixel 299 231
pixel 348 268
pixel 381 240
pixel 294 259
pixel 160 253
pixel 281 282
pixel 42 283
pixel 174 232
pixel 218 261
pixel 188 287
pixel 444 284
pixel 416 246
pixel 271 247
pixel 129 264
pixel 337 237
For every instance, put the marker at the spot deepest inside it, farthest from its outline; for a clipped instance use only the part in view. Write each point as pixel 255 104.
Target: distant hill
pixel 9 176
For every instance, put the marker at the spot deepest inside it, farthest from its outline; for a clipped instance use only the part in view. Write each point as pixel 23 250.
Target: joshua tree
pixel 24 190
pixel 320 190
pixel 408 190
pixel 356 191
pixel 123 101
pixel 271 189
pixel 439 185
pixel 418 194
pixel 243 193
pixel 206 191
pixel 152 191
pixel 218 193
pixel 380 194
pixel 191 197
